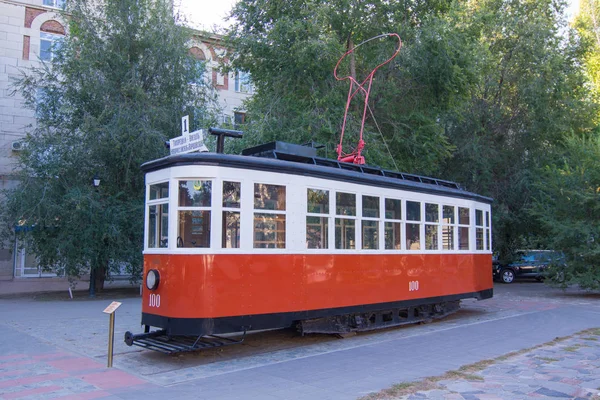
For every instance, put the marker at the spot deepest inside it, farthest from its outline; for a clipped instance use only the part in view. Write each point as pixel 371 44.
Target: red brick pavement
pixel 60 375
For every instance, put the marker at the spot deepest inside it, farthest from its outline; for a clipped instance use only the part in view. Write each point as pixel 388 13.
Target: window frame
pixel 283 212
pixel 242 82
pixel 230 209
pixel 348 217
pixel 60 4
pixel 463 226
pixel 377 221
pixel 53 39
pixel 323 215
pixel 160 201
pixel 205 208
pixel 437 224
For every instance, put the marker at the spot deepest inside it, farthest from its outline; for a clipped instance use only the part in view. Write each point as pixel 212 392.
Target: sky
pixel 204 14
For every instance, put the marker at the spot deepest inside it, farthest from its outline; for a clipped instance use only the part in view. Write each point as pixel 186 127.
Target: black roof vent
pixel 281 150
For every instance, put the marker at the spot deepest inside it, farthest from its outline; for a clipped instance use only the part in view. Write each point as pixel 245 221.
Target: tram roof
pixel 318 167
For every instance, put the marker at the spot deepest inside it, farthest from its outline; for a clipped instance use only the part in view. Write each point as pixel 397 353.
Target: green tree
pixel 530 93
pixel 291 48
pixel 112 94
pixel 569 208
pixel 587 24
pixel 568 190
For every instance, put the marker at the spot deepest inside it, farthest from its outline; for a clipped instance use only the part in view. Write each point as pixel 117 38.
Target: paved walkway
pixel 58 350
pixel 563 369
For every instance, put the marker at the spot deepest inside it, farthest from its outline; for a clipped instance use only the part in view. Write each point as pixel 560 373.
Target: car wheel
pixel 507 275
pixel 539 278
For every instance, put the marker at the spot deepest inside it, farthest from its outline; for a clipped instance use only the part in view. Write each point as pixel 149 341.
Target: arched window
pixel 197 53
pixel 51 35
pixel 201 65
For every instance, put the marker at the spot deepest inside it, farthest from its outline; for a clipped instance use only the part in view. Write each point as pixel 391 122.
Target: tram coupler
pixel 131 337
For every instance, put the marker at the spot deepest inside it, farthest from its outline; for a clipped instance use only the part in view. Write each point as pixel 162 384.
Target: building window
pixel 232 192
pixel 269 227
pixel 239 118
pixel 194 213
pixel 55 3
pixel 243 83
pixel 199 65
pixel 49 43
pixel 219 79
pixel 317 219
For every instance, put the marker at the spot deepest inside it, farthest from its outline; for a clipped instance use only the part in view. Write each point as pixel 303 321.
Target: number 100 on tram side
pixel 277 237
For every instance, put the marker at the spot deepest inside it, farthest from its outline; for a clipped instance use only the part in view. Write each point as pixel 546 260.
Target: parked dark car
pixel 527 264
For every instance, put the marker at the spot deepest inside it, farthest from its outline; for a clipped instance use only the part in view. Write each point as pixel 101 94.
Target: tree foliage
pixel 112 94
pixel 568 206
pixel 587 24
pixel 291 48
pixel 482 93
pixel 530 93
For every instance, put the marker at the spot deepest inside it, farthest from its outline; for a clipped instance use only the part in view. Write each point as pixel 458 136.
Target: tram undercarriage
pixel 362 322
pixel 339 324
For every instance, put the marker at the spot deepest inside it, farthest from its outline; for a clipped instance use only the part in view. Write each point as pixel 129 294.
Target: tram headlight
pixel 152 279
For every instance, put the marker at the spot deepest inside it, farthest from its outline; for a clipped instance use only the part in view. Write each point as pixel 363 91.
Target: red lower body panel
pixel 226 285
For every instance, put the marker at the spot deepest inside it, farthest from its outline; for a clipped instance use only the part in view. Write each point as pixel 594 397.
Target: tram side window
pixel 463 228
pixel 194 213
pixel 345 228
pixel 448 228
pixel 413 230
pixel 232 193
pixel 370 222
pixel 269 227
pixel 479 229
pixel 488 243
pixel 158 215
pixel 393 226
pixel 317 220
pixel 432 229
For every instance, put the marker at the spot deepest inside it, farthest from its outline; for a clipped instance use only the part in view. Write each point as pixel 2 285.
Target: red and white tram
pixel 278 237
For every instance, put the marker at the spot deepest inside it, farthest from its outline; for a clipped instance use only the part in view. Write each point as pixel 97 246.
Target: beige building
pixel 27 30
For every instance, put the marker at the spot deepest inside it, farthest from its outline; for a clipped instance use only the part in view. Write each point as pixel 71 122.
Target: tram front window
pixel 193 228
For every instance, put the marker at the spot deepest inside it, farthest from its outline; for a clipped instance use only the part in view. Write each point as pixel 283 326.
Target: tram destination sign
pixel 187 143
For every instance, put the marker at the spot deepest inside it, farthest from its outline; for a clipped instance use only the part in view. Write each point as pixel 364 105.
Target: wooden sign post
pixel 110 310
